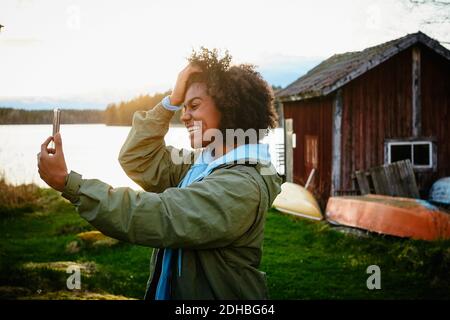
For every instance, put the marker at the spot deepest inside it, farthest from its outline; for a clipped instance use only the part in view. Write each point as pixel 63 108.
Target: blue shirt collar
pixel 252 153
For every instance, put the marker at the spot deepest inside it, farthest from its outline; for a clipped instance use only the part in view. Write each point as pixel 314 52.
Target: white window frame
pixel 412 143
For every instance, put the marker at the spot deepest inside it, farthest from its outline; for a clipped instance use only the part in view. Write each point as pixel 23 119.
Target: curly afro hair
pixel 243 98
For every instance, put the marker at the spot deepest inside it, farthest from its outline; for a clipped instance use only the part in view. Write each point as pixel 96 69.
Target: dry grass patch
pixel 86 268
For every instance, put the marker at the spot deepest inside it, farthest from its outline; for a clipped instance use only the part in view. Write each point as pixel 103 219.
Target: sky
pixel 86 54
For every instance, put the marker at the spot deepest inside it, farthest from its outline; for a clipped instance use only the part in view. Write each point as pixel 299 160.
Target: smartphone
pixel 56 124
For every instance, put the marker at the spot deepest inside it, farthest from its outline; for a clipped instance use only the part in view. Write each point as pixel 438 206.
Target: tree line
pixel 115 114
pixel 21 116
pixel 121 114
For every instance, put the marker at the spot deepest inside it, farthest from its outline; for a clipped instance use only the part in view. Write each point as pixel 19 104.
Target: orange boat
pixel 402 217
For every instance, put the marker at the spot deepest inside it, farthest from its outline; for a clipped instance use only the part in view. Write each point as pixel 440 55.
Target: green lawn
pixel 303 260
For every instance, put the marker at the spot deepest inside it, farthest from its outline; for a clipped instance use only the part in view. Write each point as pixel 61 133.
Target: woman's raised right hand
pixel 178 93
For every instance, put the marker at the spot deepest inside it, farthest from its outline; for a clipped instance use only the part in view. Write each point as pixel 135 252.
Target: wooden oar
pixel 311 174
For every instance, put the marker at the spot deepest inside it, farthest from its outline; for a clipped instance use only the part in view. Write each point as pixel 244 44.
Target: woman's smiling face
pixel 199 114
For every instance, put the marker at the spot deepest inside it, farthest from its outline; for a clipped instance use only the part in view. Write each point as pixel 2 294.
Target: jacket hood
pixel 256 155
pixel 243 154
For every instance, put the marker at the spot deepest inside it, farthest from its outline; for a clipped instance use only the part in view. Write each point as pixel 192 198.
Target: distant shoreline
pixel 112 116
pixel 173 124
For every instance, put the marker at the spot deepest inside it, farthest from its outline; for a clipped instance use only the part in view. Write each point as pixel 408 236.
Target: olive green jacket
pixel 218 221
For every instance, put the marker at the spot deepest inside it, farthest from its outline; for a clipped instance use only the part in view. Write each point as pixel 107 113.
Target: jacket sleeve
pixel 207 214
pixel 144 156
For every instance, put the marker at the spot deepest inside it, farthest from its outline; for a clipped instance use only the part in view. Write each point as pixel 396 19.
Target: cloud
pixel 98 49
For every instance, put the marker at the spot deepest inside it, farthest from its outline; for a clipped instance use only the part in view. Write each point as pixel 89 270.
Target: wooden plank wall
pixel 313 117
pixel 376 106
pixel 436 111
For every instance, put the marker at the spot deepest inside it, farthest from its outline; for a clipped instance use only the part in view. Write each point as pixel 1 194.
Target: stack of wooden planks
pixel 396 179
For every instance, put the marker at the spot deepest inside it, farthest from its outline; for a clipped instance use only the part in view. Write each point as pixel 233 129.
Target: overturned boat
pixel 402 217
pixel 297 200
pixel 440 192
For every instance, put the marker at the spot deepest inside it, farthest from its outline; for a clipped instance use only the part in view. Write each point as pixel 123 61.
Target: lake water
pixel 90 149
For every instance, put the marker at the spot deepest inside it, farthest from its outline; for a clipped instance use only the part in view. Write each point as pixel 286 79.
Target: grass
pixel 303 259
pixel 18 199
pixel 310 260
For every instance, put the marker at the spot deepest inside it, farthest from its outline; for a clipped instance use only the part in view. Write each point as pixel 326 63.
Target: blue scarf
pixel 202 167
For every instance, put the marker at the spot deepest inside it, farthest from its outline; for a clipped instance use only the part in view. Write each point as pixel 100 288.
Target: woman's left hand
pixel 51 163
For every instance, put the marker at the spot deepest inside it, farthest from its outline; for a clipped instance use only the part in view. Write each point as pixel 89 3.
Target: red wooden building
pixel 362 109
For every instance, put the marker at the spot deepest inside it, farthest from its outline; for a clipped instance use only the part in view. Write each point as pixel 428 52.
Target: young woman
pixel 203 211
